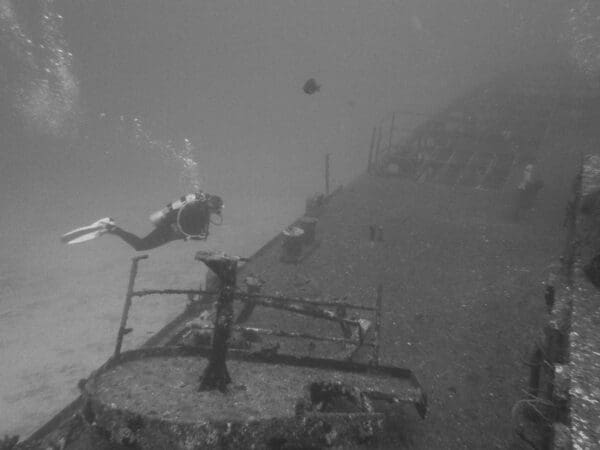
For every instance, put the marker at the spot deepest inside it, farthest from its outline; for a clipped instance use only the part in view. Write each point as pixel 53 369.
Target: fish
pixel 311 86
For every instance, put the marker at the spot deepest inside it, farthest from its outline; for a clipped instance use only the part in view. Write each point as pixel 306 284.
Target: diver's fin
pixel 88 233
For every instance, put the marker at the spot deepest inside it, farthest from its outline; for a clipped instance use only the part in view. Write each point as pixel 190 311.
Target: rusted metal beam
pixel 145 292
pixel 242 295
pixel 304 309
pixel 293 334
pixel 306 301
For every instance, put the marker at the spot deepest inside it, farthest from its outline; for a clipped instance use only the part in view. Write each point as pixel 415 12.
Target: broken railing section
pixel 132 293
pixel 128 297
pixel 354 331
pixel 336 311
pixel 447 157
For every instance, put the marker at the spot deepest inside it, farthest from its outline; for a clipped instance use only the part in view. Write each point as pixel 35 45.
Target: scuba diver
pixel 186 218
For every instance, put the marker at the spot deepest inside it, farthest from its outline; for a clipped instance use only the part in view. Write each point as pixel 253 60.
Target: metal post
pixel 378 324
pixel 377 148
pixel 216 375
pixel 571 223
pixel 391 133
pixel 371 148
pixel 327 157
pixel 535 363
pixel 122 330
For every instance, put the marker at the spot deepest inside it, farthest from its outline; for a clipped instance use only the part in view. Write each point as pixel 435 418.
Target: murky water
pixel 114 109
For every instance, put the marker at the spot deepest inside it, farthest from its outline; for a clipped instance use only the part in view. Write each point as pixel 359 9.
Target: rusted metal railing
pixel 298 305
pixel 128 297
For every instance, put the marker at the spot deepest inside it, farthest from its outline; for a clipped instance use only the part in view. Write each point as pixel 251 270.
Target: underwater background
pixel 115 108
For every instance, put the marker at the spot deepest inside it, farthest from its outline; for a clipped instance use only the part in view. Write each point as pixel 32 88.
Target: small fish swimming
pixel 311 86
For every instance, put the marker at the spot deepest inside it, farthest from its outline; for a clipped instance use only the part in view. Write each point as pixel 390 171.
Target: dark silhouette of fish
pixel 311 86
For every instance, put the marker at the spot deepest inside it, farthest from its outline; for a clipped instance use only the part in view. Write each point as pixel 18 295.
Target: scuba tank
pixel 160 215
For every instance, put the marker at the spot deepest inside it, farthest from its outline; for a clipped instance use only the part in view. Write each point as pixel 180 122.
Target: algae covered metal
pixel 218 397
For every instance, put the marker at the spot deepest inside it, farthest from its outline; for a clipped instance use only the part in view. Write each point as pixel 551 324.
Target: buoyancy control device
pixel 160 215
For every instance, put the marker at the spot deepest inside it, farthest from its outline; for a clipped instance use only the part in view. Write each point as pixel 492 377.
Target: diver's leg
pixel 157 237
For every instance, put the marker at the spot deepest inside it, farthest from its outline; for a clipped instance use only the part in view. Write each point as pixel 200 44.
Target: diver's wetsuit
pixel 197 218
pixel 162 234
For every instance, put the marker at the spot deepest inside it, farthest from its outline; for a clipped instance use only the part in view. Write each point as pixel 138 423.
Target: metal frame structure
pixel 296 305
pixel 371 399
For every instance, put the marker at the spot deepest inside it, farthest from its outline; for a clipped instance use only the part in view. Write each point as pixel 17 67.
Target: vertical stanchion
pixel 327 174
pixel 377 147
pixel 127 305
pixel 535 363
pixel 216 375
pixel 371 148
pixel 379 303
pixel 571 222
pixel 389 150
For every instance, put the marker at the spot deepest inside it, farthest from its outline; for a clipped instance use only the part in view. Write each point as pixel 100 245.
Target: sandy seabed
pixel 60 305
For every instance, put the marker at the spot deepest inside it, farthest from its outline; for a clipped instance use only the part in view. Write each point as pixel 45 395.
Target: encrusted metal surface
pixel 584 367
pixel 149 397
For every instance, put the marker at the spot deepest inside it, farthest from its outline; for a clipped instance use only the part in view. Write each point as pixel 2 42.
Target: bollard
pixel 309 226
pixel 314 205
pixel 293 239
